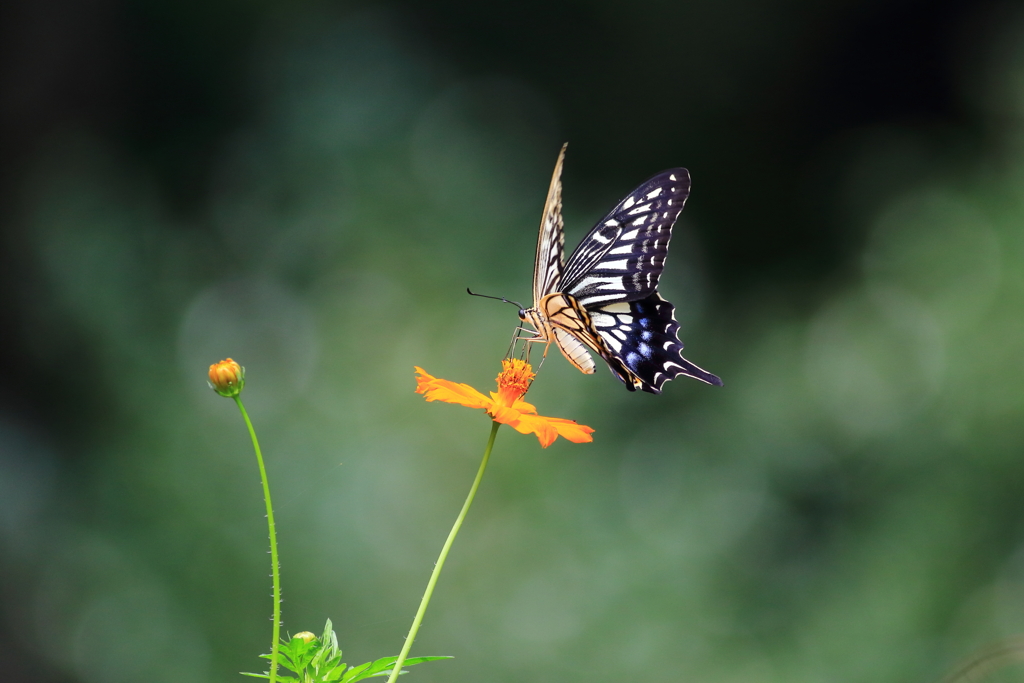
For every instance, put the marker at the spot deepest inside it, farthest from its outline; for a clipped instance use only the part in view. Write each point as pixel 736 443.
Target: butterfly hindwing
pixel 643 337
pixel 622 257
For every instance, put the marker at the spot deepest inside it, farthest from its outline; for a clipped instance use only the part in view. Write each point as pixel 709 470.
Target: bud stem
pixel 418 619
pixel 276 637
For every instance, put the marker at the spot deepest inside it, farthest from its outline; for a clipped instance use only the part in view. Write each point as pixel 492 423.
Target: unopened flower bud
pixel 305 636
pixel 227 378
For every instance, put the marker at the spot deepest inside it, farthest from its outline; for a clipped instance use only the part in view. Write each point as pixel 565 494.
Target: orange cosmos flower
pixel 505 406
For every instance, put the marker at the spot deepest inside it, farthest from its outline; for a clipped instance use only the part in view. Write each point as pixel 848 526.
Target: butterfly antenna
pixel 499 298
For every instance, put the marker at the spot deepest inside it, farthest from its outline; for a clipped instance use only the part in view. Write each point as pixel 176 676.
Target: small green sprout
pixel 318 660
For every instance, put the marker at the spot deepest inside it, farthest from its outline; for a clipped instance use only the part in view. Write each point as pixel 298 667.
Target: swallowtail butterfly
pixel 605 298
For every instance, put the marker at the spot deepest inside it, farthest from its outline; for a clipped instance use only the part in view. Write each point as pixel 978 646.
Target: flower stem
pixel 273 545
pixel 442 557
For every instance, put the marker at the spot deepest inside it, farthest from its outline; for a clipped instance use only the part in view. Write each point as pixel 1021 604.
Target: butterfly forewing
pixel 622 257
pixel 547 266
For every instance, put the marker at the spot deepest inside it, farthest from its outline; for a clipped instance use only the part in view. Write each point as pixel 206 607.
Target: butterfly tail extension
pixel 691 370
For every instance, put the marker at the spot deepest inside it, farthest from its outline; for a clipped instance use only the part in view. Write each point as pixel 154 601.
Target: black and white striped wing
pixel 547 266
pixel 622 257
pixel 643 336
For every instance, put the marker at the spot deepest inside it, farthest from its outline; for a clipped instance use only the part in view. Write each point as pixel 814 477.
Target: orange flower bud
pixel 227 378
pixel 305 636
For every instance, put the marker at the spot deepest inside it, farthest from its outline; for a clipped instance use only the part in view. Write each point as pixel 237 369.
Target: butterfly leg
pixel 537 339
pixel 525 335
pixel 517 336
pixel 528 337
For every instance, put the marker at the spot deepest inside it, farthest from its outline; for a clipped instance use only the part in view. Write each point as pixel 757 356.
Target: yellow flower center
pixel 514 379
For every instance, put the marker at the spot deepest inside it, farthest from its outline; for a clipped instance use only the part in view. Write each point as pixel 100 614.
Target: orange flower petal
pixel 529 424
pixel 435 389
pixel 548 429
pixel 504 414
pixel 524 407
pixel 521 406
pixel 572 430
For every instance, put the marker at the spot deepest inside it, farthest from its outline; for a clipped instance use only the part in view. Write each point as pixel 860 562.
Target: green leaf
pixel 284 660
pixel 386 664
pixel 334 674
pixel 283 679
pixel 317 660
pixel 383 663
pixel 419 660
pixel 298 652
pixel 334 663
pixel 353 673
pixel 329 637
pixel 307 660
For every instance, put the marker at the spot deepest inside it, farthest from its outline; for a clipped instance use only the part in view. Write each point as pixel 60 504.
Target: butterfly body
pixel 560 318
pixel 605 298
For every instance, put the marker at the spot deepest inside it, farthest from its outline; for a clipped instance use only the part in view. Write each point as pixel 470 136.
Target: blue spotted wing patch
pixel 643 336
pixel 622 257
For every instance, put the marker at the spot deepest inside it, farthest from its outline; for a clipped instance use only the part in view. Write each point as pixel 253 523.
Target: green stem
pixel 442 557
pixel 276 637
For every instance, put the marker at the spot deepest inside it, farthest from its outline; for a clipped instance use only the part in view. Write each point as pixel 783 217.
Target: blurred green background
pixel 309 188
